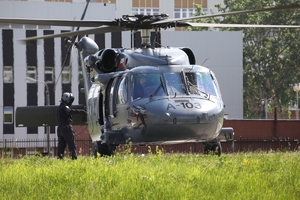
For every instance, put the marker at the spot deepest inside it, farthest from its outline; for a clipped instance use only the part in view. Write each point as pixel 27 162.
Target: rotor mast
pixel 145 36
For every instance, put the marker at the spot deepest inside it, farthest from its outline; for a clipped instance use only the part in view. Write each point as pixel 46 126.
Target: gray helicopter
pixel 145 95
pixel 165 99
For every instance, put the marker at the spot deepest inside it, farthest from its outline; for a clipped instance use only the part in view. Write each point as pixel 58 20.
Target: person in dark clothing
pixel 139 88
pixel 65 131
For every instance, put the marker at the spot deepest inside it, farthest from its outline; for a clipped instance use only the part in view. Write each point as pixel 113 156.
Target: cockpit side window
pixel 111 97
pixel 201 82
pixel 144 85
pixel 122 91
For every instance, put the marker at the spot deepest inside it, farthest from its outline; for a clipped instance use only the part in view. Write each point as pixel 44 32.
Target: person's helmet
pixel 67 98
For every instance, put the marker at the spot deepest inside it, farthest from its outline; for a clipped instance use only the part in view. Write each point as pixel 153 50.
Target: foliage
pixel 201 20
pixel 271 61
pixel 153 176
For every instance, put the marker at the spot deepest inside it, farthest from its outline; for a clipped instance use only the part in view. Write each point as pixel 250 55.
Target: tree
pixel 271 60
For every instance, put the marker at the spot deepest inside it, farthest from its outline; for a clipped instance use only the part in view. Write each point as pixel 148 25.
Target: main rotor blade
pixel 103 29
pixel 240 25
pixel 68 52
pixel 58 22
pixel 85 9
pixel 75 36
pixel 289 7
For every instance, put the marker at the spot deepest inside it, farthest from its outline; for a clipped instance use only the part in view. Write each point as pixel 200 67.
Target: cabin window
pixel 122 91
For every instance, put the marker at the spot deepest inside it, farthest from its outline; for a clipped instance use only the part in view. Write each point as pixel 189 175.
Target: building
pixel 220 51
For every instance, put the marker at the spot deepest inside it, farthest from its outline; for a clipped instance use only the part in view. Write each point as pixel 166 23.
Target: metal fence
pixel 17 148
pixel 267 144
pixel 238 145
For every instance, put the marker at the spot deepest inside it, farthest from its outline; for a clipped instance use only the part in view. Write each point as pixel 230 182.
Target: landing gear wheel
pixel 213 148
pixel 105 149
pixel 216 149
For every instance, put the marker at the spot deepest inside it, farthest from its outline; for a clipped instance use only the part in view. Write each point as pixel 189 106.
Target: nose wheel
pixel 104 149
pixel 213 148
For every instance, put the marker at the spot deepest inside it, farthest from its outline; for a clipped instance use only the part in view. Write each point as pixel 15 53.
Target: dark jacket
pixel 64 115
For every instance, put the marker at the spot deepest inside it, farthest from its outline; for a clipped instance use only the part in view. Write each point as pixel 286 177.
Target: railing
pixel 16 148
pixel 238 145
pixel 267 144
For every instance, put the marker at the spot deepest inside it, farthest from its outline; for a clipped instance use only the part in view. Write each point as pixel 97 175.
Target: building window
pixel 31 72
pixel 7 74
pixel 66 75
pixel 185 12
pixel 49 74
pixel 8 115
pixel 177 13
pixel 145 11
pixel 155 11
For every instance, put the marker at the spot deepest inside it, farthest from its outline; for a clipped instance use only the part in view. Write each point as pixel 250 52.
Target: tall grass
pixel 153 176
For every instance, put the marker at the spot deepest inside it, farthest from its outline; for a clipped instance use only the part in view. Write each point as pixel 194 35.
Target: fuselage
pixel 178 103
pixel 151 95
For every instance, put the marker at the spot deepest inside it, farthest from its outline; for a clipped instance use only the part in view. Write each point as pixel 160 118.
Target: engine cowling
pixel 190 55
pixel 107 61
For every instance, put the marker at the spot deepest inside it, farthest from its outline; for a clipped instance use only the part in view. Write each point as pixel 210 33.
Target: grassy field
pixel 153 176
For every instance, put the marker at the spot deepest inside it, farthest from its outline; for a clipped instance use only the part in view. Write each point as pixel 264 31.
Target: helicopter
pixel 180 101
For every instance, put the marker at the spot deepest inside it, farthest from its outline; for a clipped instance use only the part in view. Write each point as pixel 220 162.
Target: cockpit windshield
pixel 201 82
pixel 146 85
pixel 173 84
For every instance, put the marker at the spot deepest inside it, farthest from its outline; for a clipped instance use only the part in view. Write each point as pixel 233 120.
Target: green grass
pixel 153 176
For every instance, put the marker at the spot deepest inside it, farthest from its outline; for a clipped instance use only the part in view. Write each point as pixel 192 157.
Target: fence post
pixel 232 146
pixel 5 147
pixel 240 143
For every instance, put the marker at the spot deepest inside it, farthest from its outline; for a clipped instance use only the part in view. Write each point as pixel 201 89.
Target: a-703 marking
pixel 184 105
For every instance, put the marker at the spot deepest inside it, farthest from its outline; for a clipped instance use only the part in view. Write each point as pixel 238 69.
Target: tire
pixel 213 148
pixel 103 150
pixel 216 149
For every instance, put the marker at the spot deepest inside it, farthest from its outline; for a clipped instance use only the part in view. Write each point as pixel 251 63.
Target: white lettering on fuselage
pixel 184 105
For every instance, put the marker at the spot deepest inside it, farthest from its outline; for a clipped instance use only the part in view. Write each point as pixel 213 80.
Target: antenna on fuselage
pixel 204 61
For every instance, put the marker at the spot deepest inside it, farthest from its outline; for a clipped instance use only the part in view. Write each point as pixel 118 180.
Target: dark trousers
pixel 66 137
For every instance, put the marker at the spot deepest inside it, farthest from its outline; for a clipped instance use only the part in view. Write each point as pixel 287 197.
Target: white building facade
pixel 222 52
